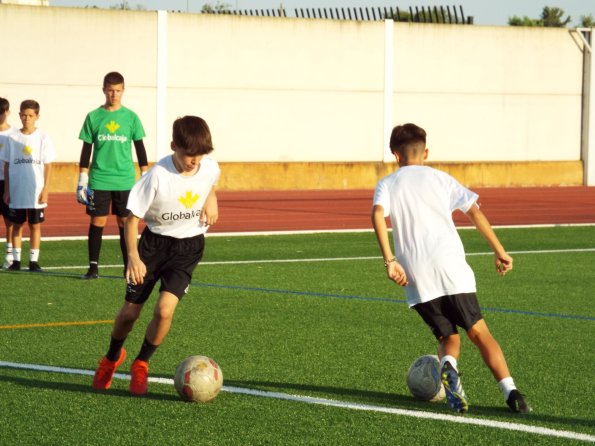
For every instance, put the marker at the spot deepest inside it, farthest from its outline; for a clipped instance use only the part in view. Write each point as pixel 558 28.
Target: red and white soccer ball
pixel 423 379
pixel 198 378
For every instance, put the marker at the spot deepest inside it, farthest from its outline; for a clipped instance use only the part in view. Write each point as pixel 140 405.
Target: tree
pixel 550 17
pixel 124 5
pixel 525 21
pixel 587 21
pixel 216 8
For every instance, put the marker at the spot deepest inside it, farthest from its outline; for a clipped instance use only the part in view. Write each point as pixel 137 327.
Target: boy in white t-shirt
pixel 5 131
pixel 176 198
pixel 27 156
pixel 430 260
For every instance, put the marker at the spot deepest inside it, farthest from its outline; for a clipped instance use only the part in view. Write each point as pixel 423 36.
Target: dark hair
pixel 4 106
pixel 113 78
pixel 407 139
pixel 192 135
pixel 30 103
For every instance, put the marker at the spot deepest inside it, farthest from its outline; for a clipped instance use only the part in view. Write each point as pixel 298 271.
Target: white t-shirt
pixel 420 201
pixel 3 135
pixel 169 202
pixel 27 155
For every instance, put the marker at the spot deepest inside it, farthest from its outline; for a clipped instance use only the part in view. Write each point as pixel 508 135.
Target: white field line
pixel 316 231
pixel 336 259
pixel 336 403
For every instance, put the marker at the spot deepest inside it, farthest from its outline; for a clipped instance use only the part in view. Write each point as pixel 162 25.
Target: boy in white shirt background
pixel 28 155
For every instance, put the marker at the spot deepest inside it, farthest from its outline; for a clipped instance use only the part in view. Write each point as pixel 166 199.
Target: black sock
pixel 94 243
pixel 115 346
pixel 146 351
pixel 123 248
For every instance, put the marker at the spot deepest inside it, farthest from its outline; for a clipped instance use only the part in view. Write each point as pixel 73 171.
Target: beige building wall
pixel 300 104
pixel 490 93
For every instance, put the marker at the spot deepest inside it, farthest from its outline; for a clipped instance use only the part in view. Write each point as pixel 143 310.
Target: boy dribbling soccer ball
pixel 177 200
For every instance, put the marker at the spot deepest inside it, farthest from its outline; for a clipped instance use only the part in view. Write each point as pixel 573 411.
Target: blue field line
pixel 326 295
pixel 297 293
pixel 380 299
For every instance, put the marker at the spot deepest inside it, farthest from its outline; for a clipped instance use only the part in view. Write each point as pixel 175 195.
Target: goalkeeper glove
pixel 81 189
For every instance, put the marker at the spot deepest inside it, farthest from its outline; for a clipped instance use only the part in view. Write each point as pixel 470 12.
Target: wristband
pixel 386 262
pixel 83 179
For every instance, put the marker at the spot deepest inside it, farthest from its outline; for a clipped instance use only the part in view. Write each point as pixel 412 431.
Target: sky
pixel 484 12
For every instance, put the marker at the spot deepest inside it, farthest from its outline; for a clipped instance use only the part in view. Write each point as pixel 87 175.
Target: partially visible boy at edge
pixel 5 131
pixel 430 260
pixel 177 200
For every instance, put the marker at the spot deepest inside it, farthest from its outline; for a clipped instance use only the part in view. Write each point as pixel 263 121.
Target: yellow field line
pixel 56 324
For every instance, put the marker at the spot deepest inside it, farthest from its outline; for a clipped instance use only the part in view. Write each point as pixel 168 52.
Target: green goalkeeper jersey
pixel 112 134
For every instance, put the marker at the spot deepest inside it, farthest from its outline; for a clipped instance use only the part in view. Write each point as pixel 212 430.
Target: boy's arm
pixel 84 160
pixel 210 210
pixel 6 196
pixel 135 269
pixel 394 270
pixel 141 155
pixel 503 260
pixel 43 196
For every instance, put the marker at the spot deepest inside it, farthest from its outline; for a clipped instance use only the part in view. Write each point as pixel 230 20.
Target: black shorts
pixel 20 216
pixel 169 260
pixel 99 202
pixel 443 314
pixel 3 206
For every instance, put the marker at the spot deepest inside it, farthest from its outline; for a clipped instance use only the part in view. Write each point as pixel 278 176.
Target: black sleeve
pixel 141 153
pixel 85 155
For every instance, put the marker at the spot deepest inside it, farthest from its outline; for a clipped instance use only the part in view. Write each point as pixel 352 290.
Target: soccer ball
pixel 423 379
pixel 198 378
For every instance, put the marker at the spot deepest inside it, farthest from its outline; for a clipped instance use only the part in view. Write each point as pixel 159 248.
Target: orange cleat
pixel 139 377
pixel 105 372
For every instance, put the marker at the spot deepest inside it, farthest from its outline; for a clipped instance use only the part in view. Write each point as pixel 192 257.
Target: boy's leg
pixel 17 240
pixel 450 346
pixel 95 236
pixel 156 332
pixel 125 319
pixel 448 351
pixel 121 222
pixel 8 258
pixel 119 208
pixel 98 210
pixel 34 245
pixel 490 350
pixel 494 358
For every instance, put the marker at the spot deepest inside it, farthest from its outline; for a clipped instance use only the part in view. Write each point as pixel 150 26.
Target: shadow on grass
pixel 84 388
pixel 354 396
pixel 399 401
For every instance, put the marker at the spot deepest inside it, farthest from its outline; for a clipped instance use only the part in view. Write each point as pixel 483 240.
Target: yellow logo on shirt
pixel 189 199
pixel 27 150
pixel 112 126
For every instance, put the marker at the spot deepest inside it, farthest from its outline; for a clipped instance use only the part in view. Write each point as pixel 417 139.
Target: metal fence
pixel 429 14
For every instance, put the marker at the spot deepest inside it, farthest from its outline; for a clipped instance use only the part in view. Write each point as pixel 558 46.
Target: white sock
pixel 506 386
pixel 16 254
pixel 451 359
pixel 34 255
pixel 9 252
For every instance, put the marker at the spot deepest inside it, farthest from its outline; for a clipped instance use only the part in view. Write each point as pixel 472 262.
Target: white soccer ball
pixel 198 378
pixel 423 379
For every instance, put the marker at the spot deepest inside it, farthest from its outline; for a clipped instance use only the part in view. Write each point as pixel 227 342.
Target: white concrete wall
pixel 490 93
pixel 58 56
pixel 291 89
